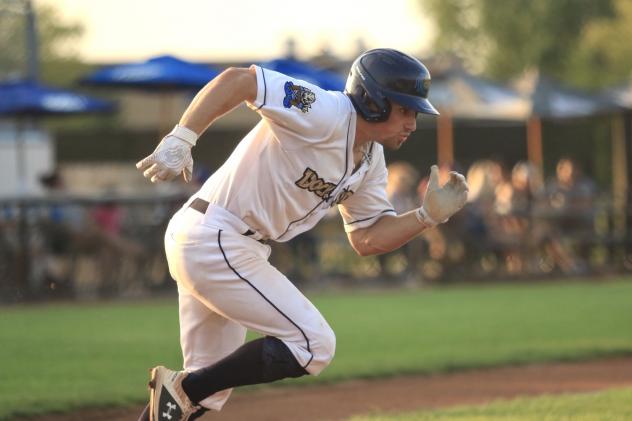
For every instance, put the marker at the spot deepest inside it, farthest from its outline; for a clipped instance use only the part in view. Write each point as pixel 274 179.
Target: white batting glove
pixel 171 157
pixel 440 203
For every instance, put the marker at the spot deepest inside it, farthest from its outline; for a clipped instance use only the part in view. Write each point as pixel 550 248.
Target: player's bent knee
pixel 323 348
pixel 278 361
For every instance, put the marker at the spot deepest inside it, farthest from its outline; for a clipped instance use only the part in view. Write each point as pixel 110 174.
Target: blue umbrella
pixel 25 99
pixel 158 73
pixel 31 99
pixel 304 71
pixel 164 74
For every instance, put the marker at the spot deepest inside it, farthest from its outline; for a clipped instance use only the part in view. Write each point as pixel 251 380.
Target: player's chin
pixel 394 143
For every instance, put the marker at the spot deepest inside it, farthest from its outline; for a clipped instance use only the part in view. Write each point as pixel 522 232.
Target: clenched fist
pixel 171 157
pixel 440 203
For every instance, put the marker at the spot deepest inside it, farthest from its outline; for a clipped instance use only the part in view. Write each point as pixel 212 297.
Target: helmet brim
pixel 421 105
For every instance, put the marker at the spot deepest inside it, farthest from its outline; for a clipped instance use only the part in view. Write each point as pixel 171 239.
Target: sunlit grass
pixel 60 357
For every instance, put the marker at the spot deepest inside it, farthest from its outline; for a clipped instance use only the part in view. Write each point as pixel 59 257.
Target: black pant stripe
pixel 219 242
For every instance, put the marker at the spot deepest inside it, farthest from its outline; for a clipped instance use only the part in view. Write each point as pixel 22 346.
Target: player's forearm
pixel 387 234
pixel 232 87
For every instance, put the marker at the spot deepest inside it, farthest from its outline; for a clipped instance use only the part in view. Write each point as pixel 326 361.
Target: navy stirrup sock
pixel 262 360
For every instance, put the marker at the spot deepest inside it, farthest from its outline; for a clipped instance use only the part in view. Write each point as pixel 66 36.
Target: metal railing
pixel 82 248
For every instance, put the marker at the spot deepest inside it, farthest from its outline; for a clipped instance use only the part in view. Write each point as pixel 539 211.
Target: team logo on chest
pixel 311 182
pixel 298 96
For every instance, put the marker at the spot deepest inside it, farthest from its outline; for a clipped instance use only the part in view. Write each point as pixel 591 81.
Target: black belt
pixel 201 206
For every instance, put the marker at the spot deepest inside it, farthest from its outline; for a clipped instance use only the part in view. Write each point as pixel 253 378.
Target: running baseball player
pixel 313 149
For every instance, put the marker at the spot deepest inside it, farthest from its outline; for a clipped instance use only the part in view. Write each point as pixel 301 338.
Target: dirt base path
pixel 335 402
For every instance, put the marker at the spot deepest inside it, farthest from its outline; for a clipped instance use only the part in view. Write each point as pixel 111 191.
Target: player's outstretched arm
pixel 232 87
pixel 391 232
pixel 172 156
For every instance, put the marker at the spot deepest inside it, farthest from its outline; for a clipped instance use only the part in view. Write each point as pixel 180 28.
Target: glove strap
pixel 424 218
pixel 185 134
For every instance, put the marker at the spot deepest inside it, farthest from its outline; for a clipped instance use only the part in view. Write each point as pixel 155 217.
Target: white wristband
pixel 185 134
pixel 424 218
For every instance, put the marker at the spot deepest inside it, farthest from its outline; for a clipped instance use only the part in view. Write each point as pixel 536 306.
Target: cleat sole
pixel 152 391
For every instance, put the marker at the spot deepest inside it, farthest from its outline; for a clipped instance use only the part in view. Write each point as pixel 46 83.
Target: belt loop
pixel 199 205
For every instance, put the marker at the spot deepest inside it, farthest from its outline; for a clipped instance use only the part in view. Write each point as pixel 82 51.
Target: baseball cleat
pixel 167 400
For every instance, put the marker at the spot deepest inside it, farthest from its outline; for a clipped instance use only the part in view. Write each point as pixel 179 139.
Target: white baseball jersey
pixel 298 162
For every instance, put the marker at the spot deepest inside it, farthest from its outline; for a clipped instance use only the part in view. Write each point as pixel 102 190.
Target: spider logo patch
pixel 298 96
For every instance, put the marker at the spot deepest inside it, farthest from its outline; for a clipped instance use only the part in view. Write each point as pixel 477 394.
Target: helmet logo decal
pixel 426 84
pixel 421 88
pixel 298 96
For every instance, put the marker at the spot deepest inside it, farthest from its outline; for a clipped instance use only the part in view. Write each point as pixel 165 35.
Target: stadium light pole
pixel 32 44
pixel 24 8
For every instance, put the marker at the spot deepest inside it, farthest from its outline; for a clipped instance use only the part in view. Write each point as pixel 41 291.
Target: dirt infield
pixel 335 402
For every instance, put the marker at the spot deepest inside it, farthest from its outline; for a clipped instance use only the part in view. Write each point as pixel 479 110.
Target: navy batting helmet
pixel 383 75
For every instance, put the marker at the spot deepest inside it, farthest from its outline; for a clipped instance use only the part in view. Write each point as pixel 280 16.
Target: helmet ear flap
pixel 372 106
pixel 383 109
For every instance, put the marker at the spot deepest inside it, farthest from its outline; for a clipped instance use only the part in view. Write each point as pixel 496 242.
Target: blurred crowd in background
pixel 78 221
pixel 516 225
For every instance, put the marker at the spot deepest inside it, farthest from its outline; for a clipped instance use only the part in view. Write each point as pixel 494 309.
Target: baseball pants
pixel 226 285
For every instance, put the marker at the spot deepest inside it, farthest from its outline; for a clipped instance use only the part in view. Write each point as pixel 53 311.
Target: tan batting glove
pixel 440 203
pixel 171 157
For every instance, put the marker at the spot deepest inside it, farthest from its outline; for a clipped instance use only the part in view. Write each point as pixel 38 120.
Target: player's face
pixel 393 132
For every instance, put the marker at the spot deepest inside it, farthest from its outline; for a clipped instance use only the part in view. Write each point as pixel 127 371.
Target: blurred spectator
pixel 108 217
pixel 480 223
pixel 60 224
pixel 445 244
pixel 400 190
pixel 76 248
pixel 113 250
pixel 570 200
pixel 514 226
pixel 527 183
pixel 402 179
pixel 483 177
pixel 572 193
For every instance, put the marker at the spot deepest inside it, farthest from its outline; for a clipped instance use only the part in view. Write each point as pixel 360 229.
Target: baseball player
pixel 312 149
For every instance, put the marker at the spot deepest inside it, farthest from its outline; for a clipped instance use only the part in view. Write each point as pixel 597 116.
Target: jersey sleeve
pixel 297 112
pixel 369 203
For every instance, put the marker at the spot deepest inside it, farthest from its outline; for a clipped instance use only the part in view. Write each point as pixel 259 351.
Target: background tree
pixel 584 42
pixel 60 63
pixel 604 56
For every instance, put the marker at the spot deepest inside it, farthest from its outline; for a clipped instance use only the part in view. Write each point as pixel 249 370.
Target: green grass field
pixel 60 357
pixel 613 405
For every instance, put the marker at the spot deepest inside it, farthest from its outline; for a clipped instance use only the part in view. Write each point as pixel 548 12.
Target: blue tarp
pixel 29 98
pixel 164 72
pixel 304 71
